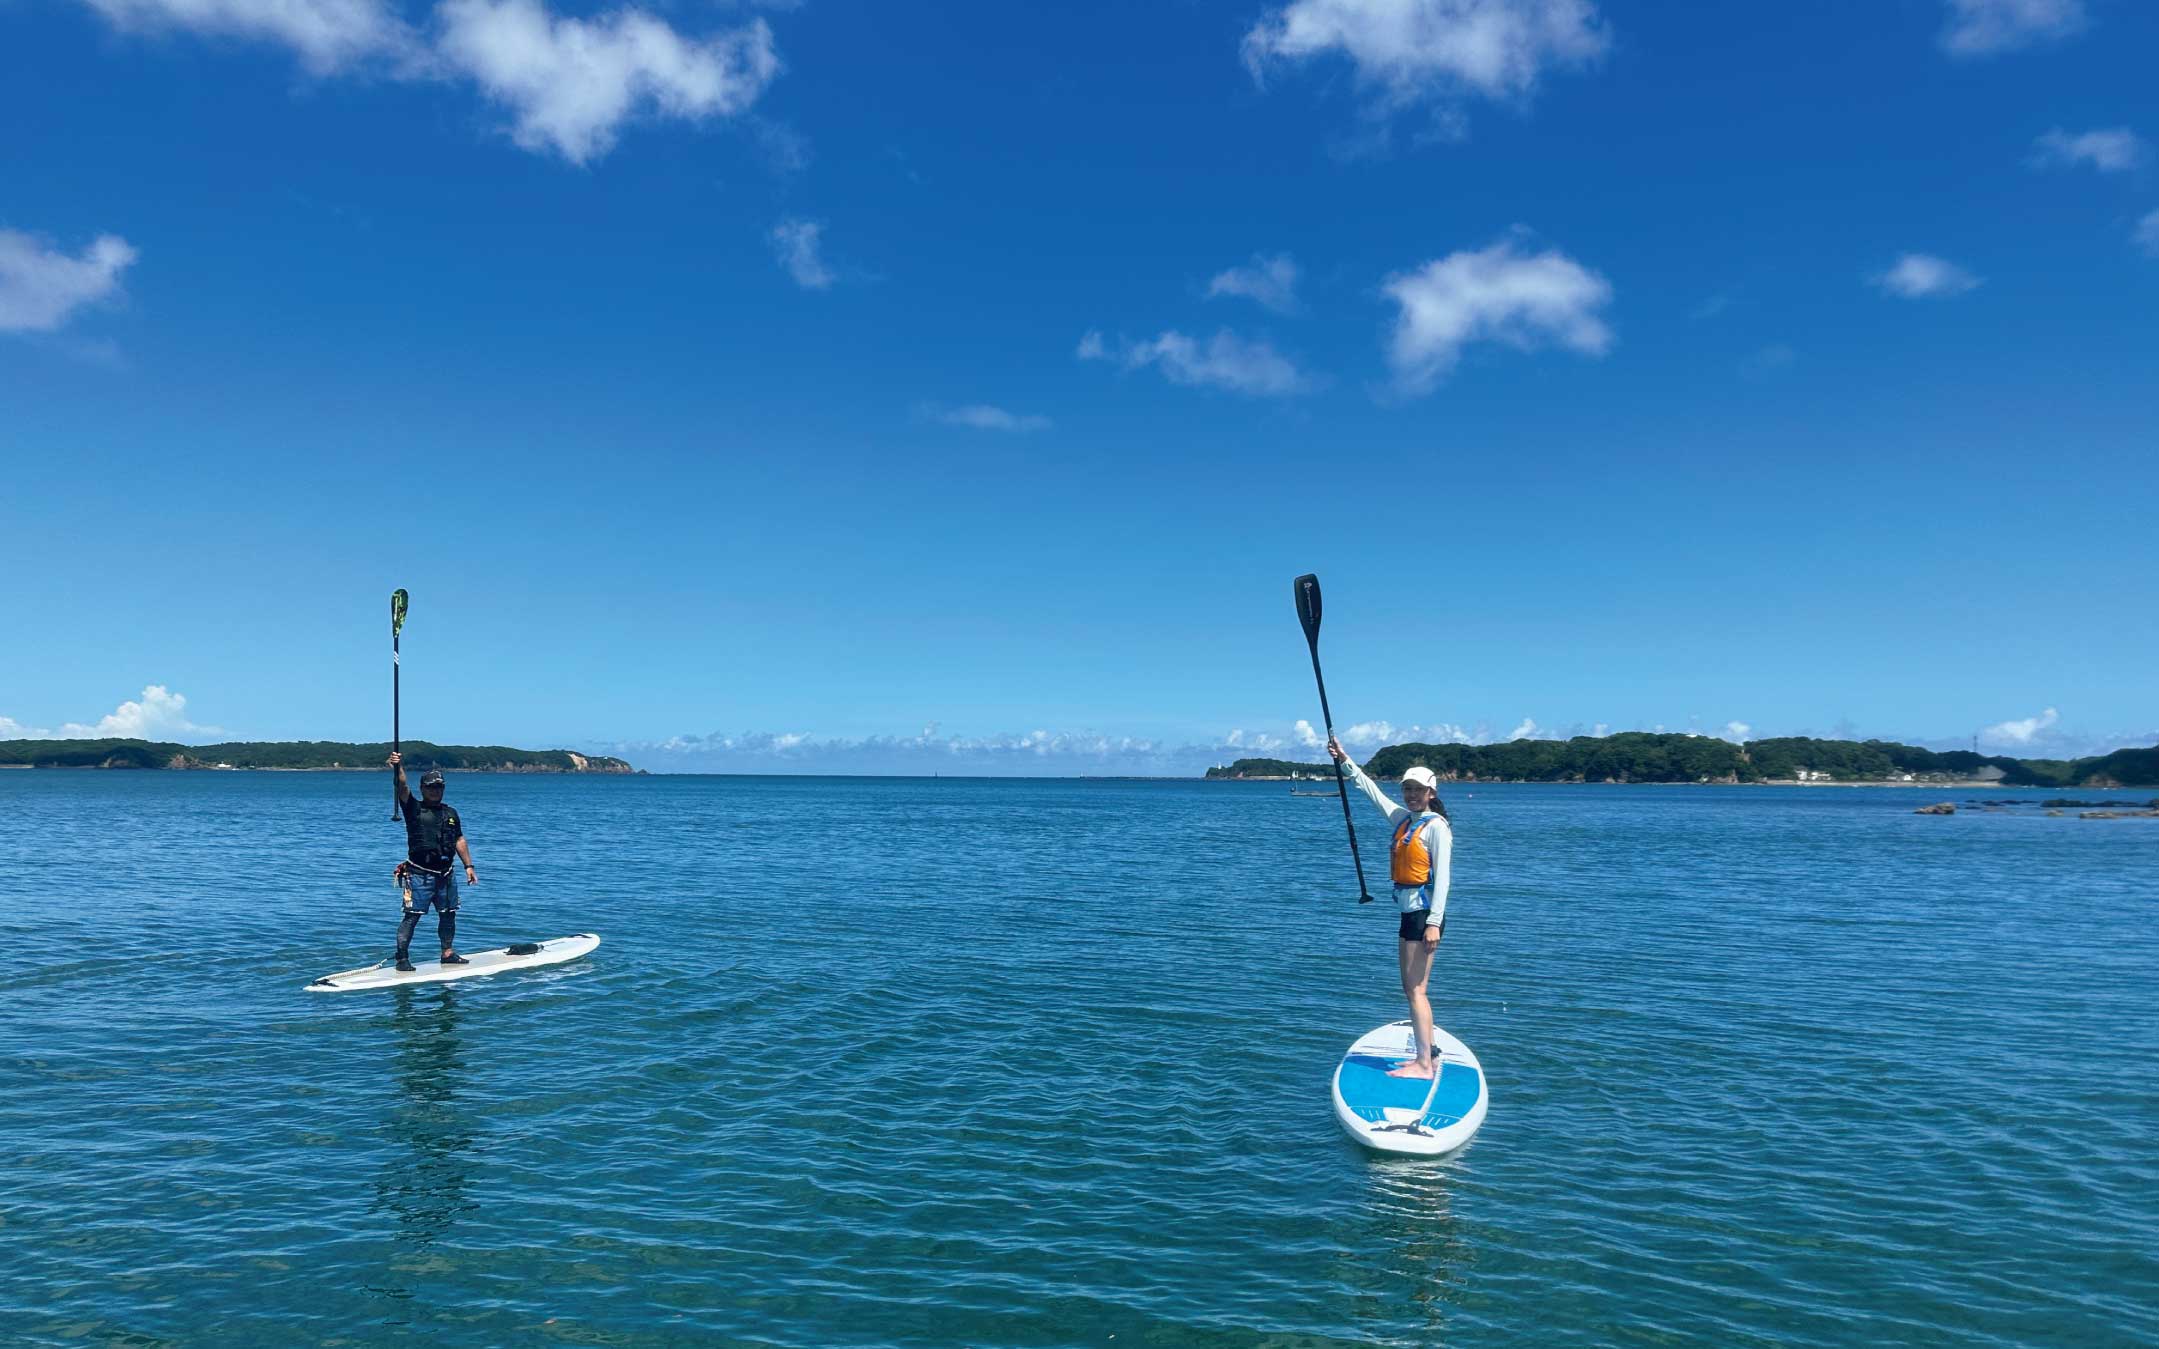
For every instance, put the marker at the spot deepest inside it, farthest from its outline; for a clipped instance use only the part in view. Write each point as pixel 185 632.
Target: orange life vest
pixel 1412 860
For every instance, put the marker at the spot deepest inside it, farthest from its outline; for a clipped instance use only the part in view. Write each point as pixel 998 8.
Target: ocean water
pixel 876 1062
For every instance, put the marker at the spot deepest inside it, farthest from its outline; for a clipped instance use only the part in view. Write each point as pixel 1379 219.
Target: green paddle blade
pixel 397 611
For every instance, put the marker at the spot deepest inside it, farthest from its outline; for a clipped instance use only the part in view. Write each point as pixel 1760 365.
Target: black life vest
pixel 431 834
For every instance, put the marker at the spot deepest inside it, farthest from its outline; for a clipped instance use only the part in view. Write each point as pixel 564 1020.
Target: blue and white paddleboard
pixel 1423 1117
pixel 522 957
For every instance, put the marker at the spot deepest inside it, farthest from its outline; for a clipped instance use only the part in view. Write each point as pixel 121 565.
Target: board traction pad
pixel 1369 1092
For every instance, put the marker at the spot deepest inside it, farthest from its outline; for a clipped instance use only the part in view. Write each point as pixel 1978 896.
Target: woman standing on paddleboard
pixel 1422 854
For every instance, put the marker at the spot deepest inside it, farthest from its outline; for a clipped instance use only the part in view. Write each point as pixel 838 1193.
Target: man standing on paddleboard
pixel 434 842
pixel 1423 860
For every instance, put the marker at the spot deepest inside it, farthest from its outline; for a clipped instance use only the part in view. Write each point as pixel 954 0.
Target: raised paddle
pixel 1307 588
pixel 397 625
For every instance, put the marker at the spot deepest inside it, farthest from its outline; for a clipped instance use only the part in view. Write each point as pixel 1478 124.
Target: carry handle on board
pixel 1307 588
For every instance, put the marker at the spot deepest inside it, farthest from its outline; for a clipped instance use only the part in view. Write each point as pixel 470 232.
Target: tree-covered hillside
pixel 1637 756
pixel 1271 768
pixel 419 754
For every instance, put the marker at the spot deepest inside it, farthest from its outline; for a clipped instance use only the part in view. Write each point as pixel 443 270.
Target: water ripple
pixel 1048 1066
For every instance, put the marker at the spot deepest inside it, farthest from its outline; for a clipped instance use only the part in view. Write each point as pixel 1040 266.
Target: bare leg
pixel 1416 959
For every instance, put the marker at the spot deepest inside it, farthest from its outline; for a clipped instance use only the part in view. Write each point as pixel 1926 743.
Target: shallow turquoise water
pixel 870 1062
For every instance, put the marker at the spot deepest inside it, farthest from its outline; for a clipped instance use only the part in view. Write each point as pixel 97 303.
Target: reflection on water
pixel 1412 1247
pixel 430 1130
pixel 1733 1032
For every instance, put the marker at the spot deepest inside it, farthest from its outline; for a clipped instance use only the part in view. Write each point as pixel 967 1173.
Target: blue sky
pixel 873 386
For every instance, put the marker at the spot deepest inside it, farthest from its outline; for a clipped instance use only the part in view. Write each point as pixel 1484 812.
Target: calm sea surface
pixel 868 1062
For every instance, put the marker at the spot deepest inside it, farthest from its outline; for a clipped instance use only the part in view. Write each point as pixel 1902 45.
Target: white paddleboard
pixel 1420 1116
pixel 478 963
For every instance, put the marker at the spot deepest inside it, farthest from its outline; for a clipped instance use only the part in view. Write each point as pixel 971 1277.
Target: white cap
pixel 1422 776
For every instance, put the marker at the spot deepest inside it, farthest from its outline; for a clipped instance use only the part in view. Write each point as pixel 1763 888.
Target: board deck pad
pixel 384 975
pixel 1417 1115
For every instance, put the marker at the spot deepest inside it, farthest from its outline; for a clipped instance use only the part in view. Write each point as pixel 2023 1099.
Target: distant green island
pixel 1642 756
pixel 297 754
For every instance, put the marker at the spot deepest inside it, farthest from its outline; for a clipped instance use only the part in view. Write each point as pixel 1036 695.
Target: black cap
pixel 431 778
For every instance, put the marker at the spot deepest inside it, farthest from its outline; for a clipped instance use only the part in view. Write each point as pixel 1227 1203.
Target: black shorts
pixel 1413 925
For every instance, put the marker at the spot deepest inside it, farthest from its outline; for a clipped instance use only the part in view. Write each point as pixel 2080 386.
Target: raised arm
pixel 1364 784
pixel 397 765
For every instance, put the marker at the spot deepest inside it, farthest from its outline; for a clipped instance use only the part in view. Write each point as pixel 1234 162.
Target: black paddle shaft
pixel 1307 589
pixel 397 623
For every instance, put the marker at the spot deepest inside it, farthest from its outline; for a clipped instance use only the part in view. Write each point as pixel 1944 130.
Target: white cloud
pixel 1495 294
pixel 327 35
pixel 41 288
pixel 1775 356
pixel 786 151
pixel 1224 361
pixel 1269 281
pixel 985 417
pixel 1918 276
pixel 2021 731
pixel 2147 234
pixel 799 246
pixel 572 82
pixel 1988 27
pixel 1367 733
pixel 1387 733
pixel 2047 741
pixel 159 714
pixel 1433 49
pixel 1044 752
pixel 2114 149
pixel 1038 752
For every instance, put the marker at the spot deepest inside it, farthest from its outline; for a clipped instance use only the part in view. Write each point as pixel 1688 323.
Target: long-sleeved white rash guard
pixel 1438 840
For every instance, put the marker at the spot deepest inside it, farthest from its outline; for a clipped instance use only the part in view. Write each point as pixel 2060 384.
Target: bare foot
pixel 1411 1068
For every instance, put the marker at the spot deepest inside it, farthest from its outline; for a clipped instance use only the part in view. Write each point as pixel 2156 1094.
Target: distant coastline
pixel 1793 761
pixel 297 756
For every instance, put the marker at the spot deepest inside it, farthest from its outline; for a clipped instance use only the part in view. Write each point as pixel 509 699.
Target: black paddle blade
pixel 1307 588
